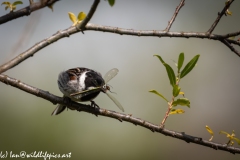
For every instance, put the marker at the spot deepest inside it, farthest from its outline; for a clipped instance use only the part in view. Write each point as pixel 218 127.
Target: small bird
pixel 83 84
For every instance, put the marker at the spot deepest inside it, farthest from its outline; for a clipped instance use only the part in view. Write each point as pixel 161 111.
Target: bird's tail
pixel 58 109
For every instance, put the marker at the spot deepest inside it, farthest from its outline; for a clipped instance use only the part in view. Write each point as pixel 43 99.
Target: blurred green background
pixel 213 86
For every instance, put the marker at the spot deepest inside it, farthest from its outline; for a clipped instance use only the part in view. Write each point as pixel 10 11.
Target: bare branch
pixel 71 30
pixel 119 116
pixel 89 15
pixel 81 27
pixel 219 16
pixel 224 41
pixel 26 11
pixel 60 34
pixel 175 15
pixel 232 34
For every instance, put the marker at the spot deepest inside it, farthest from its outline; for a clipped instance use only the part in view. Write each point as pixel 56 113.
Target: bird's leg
pixel 68 100
pixel 94 105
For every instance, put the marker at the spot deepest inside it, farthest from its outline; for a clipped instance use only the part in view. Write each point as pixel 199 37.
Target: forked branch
pixel 26 11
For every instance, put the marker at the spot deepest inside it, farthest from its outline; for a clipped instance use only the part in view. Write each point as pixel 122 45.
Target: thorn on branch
pixel 139 33
pixel 120 119
pixel 143 122
pixel 152 129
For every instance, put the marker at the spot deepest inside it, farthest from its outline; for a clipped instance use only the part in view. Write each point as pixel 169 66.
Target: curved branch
pixel 60 34
pixel 229 2
pixel 154 33
pixel 224 41
pixel 119 116
pixel 26 11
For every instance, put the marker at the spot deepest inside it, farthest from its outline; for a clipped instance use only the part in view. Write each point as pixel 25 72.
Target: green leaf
pixel 81 16
pixel 17 2
pixel 176 90
pixel 176 111
pixel 111 2
pixel 159 57
pixel 171 74
pixel 189 66
pixel 156 92
pixel 6 3
pixel 180 61
pixel 72 18
pixel 181 102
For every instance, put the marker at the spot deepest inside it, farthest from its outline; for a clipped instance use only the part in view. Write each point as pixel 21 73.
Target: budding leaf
pixel 6 3
pixel 182 93
pixel 72 18
pixel 176 111
pixel 236 139
pixel 176 90
pixel 111 2
pixel 227 134
pixel 81 16
pixel 209 130
pixel 180 61
pixel 182 102
pixel 228 12
pixel 232 38
pixel 13 8
pixel 156 92
pixel 189 66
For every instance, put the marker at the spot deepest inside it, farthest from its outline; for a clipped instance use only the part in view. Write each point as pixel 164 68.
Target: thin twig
pixel 233 34
pixel 224 41
pixel 26 11
pixel 42 44
pixel 119 116
pixel 175 15
pixel 219 16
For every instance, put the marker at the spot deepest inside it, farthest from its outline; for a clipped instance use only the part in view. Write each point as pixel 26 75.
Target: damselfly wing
pixel 105 88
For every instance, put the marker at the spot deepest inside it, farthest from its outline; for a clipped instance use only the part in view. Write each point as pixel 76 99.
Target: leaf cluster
pixel 174 81
pixel 75 19
pixel 11 6
pixel 231 137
